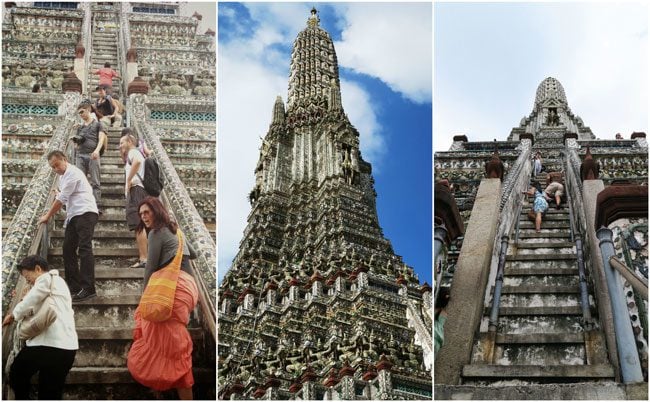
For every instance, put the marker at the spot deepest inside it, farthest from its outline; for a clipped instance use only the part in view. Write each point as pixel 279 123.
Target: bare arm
pixel 56 206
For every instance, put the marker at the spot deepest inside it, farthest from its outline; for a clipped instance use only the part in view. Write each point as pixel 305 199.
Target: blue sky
pixel 385 57
pixel 489 59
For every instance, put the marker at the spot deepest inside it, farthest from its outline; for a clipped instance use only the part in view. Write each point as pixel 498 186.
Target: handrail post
pixel 498 284
pixel 625 344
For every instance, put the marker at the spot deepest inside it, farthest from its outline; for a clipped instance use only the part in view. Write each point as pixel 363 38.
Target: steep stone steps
pixel 540 335
pixel 559 373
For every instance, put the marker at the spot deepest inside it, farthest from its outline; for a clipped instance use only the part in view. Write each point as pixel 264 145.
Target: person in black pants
pixel 81 217
pixel 50 353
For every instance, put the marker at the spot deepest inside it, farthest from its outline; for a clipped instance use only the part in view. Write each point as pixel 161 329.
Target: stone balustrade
pixel 189 220
pixel 17 240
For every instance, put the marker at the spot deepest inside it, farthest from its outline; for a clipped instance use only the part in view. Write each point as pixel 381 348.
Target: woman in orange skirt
pixel 161 355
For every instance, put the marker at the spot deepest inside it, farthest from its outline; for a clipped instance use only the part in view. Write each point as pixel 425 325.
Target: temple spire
pixel 313 66
pixel 313 19
pixel 278 111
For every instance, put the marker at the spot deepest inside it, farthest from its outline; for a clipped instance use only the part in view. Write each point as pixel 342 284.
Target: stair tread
pixel 532 371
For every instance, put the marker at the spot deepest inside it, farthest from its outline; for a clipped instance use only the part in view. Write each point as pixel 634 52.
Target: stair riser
pixel 116 262
pixel 540 324
pixel 539 300
pixel 558 264
pixel 533 280
pixel 543 251
pixel 550 354
pixel 109 353
pixel 130 391
pixel 103 316
pixel 121 244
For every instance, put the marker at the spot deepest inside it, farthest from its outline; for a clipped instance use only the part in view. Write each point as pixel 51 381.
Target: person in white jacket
pixel 50 353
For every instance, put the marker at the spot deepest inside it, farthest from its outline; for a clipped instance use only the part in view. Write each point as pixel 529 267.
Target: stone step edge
pixel 115 273
pixel 535 289
pixel 122 300
pixel 508 339
pixel 538 371
pixel 540 257
pixel 121 375
pixel 101 333
pixel 572 391
pixel 102 252
pixel 540 271
pixel 550 310
pixel 533 245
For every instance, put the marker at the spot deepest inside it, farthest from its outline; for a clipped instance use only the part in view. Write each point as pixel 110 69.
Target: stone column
pixel 626 345
pixel 465 307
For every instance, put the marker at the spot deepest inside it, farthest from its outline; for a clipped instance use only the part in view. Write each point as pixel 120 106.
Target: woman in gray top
pixel 161 353
pixel 161 239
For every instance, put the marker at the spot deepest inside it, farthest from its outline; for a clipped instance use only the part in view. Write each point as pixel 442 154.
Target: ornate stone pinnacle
pixel 313 19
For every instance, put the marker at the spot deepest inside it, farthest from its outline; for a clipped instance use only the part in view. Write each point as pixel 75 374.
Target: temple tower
pixel 316 295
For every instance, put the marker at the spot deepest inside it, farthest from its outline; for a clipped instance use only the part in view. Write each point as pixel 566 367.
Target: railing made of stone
pixel 189 221
pixel 20 234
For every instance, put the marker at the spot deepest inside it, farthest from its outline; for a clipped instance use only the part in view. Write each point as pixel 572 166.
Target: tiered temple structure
pixel 555 314
pixel 167 65
pixel 316 304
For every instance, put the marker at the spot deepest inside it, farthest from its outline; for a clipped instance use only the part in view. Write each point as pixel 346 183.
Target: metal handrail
pixel 496 296
pixel 576 237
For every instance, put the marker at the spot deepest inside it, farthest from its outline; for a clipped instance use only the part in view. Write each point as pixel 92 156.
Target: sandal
pixel 139 264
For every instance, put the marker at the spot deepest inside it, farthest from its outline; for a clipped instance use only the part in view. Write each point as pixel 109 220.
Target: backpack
pixel 153 180
pixel 108 104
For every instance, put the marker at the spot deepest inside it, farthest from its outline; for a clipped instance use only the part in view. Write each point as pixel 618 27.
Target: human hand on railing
pixel 8 320
pixel 43 219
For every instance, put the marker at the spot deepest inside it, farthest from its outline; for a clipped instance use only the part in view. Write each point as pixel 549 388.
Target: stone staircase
pixel 541 336
pixel 104 49
pixel 104 323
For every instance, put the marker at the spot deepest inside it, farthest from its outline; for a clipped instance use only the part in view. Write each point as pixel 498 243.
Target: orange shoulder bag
pixel 157 299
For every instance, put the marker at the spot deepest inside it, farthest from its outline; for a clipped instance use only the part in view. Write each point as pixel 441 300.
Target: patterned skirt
pixel 161 354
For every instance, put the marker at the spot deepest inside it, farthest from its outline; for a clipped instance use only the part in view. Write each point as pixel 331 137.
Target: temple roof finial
pixel 313 19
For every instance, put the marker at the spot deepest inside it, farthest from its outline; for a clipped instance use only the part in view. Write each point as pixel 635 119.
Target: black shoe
pixel 84 294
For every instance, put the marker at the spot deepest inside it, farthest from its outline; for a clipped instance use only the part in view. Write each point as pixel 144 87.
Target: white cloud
pixel 363 115
pixel 391 42
pixel 487 72
pixel 247 92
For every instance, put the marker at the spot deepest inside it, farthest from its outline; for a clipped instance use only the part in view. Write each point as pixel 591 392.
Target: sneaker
pixel 84 294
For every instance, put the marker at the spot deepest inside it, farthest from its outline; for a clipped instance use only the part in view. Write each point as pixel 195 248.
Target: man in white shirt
pixel 76 194
pixel 134 193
